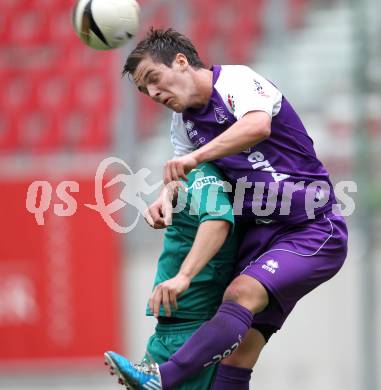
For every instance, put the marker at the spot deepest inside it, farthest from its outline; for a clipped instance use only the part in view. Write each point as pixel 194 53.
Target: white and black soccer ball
pixel 106 24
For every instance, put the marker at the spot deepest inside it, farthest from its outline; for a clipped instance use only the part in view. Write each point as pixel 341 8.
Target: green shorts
pixel 167 340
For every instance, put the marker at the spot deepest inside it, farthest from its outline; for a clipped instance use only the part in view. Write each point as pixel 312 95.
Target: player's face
pixel 170 86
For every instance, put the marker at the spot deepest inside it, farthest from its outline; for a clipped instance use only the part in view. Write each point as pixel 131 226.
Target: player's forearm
pixel 245 133
pixel 209 239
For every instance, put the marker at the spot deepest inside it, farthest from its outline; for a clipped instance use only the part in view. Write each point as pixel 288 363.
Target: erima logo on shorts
pixel 271 266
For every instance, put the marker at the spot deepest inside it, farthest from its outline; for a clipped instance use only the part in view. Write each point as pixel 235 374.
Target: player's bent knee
pixel 247 292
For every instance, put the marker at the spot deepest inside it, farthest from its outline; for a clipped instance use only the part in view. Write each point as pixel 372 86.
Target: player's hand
pixel 154 215
pixel 159 214
pixel 177 169
pixel 166 294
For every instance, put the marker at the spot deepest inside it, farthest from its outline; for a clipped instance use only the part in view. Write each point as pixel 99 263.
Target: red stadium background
pixel 59 282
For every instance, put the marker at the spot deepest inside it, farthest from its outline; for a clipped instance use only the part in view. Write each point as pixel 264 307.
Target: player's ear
pixel 181 61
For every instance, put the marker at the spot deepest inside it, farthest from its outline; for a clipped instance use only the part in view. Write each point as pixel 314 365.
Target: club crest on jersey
pixel 220 115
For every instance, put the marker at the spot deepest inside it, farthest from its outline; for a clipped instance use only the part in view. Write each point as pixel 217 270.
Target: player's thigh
pixel 248 292
pixel 246 355
pixel 297 260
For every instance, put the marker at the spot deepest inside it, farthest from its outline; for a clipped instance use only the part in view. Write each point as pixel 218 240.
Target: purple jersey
pixel 273 166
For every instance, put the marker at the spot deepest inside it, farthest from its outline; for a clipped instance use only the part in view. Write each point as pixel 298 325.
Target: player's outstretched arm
pixel 209 239
pixel 251 129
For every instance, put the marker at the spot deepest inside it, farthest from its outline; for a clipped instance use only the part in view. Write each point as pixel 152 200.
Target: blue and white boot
pixel 142 376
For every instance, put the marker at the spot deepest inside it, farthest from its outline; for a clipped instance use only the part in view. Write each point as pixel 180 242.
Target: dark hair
pixel 162 46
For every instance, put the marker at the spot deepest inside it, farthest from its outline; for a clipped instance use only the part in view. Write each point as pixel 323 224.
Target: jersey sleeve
pixel 209 197
pixel 244 90
pixel 179 137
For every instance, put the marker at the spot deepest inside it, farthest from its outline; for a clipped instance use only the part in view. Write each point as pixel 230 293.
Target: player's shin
pixel 217 339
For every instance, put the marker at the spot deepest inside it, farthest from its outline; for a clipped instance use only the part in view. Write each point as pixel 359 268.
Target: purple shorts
pixel 291 260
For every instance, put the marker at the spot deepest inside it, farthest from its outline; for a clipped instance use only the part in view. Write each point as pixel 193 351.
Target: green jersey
pixel 205 199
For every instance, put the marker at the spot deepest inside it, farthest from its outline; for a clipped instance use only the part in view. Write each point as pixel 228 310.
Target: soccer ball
pixel 106 24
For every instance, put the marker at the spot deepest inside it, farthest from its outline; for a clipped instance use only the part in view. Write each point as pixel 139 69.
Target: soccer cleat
pixel 143 376
pixel 114 370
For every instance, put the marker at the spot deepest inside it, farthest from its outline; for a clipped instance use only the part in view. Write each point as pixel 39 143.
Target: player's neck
pixel 203 87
